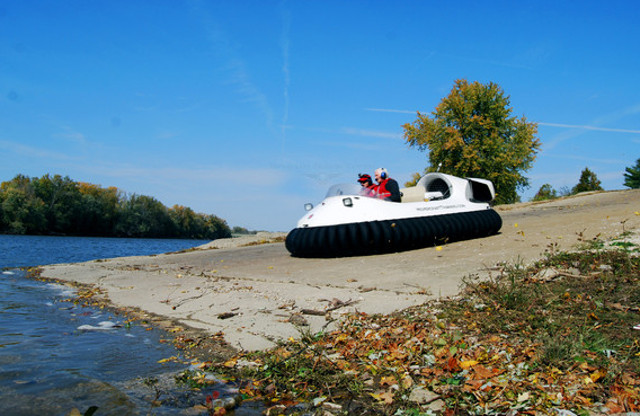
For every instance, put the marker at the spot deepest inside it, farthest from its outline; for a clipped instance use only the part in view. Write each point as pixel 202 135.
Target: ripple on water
pixel 49 366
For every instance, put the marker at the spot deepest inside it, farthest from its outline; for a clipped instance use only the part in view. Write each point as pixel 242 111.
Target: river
pixel 56 356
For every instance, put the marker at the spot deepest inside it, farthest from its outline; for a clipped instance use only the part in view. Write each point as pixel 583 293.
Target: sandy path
pixel 265 289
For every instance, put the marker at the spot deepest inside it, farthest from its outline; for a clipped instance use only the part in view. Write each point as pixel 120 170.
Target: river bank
pixel 254 295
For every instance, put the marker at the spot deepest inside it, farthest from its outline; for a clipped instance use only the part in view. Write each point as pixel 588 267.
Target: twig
pixel 337 305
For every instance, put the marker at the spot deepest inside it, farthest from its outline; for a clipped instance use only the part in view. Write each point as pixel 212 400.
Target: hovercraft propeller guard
pixel 439 209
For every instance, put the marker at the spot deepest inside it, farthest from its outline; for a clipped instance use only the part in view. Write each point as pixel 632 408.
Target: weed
pixel 625 245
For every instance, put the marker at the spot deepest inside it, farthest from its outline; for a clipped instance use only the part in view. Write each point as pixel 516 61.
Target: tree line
pixel 588 182
pixel 56 205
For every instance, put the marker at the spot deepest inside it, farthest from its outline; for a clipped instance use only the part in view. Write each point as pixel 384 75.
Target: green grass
pixel 582 317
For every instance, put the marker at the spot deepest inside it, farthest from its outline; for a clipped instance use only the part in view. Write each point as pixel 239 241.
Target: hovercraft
pixel 439 209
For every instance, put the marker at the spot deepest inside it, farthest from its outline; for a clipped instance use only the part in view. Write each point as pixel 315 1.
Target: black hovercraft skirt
pixel 386 236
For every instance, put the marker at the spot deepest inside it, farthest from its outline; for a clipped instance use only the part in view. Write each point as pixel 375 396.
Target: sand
pixel 258 294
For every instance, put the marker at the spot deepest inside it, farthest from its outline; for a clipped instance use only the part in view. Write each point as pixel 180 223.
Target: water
pixel 28 250
pixel 56 356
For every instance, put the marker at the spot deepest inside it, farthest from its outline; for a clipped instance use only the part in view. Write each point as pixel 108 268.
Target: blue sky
pixel 249 109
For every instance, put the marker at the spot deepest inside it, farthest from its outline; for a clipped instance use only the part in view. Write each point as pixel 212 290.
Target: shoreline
pixel 194 343
pixel 253 295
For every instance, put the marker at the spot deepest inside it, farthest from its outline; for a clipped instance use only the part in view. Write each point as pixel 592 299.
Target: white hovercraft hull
pixel 347 224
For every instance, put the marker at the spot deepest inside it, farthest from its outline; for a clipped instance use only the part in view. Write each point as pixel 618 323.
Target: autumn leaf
pixel 597 375
pixel 452 365
pixel 466 364
pixel 386 397
pixel 230 363
pixel 388 381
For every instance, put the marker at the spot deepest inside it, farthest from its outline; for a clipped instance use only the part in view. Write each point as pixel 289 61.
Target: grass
pixel 582 317
pixel 555 335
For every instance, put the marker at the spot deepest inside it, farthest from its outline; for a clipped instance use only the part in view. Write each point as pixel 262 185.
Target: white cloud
pixel 32 152
pixel 219 177
pixel 167 135
pixel 370 133
pixel 389 110
pixel 72 136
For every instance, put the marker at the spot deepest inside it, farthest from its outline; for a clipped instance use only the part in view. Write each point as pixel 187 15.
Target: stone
pixel 421 395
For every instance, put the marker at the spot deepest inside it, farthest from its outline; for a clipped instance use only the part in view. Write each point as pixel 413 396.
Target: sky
pixel 249 109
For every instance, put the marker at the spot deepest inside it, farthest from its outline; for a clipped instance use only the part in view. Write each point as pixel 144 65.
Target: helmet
pixel 363 178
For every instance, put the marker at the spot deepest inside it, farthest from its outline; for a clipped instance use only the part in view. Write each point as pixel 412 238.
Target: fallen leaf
pixel 231 363
pixel 386 397
pixel 388 381
pixel 597 375
pixel 407 382
pixel 466 364
pixel 452 365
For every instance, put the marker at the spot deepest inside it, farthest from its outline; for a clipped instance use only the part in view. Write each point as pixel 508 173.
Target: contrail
pixel 385 110
pixel 235 67
pixel 568 126
pixel 286 25
pixel 571 126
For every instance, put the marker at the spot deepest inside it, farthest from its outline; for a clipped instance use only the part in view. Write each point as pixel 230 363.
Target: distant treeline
pixel 60 206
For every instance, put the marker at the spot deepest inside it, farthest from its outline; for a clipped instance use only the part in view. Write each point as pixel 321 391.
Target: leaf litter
pixel 525 341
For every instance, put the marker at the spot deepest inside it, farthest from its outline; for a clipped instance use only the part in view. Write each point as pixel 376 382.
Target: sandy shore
pixel 257 294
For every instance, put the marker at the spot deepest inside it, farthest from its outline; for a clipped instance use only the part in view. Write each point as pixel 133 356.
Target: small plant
pixel 152 383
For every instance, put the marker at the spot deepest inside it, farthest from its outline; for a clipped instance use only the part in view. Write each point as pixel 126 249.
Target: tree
pixel 588 182
pixel 61 198
pixel 472 134
pixel 240 230
pixel 22 211
pixel 143 216
pixel 216 227
pixel 98 210
pixel 545 192
pixel 632 176
pixel 415 178
pixel 187 223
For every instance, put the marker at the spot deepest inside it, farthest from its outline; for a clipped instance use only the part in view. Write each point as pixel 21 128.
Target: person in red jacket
pixel 387 188
pixel 368 188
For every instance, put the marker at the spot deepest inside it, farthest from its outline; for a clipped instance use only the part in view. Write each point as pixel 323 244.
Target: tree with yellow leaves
pixel 472 133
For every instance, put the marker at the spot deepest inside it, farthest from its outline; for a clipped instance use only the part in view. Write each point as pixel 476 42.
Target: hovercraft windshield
pixel 345 189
